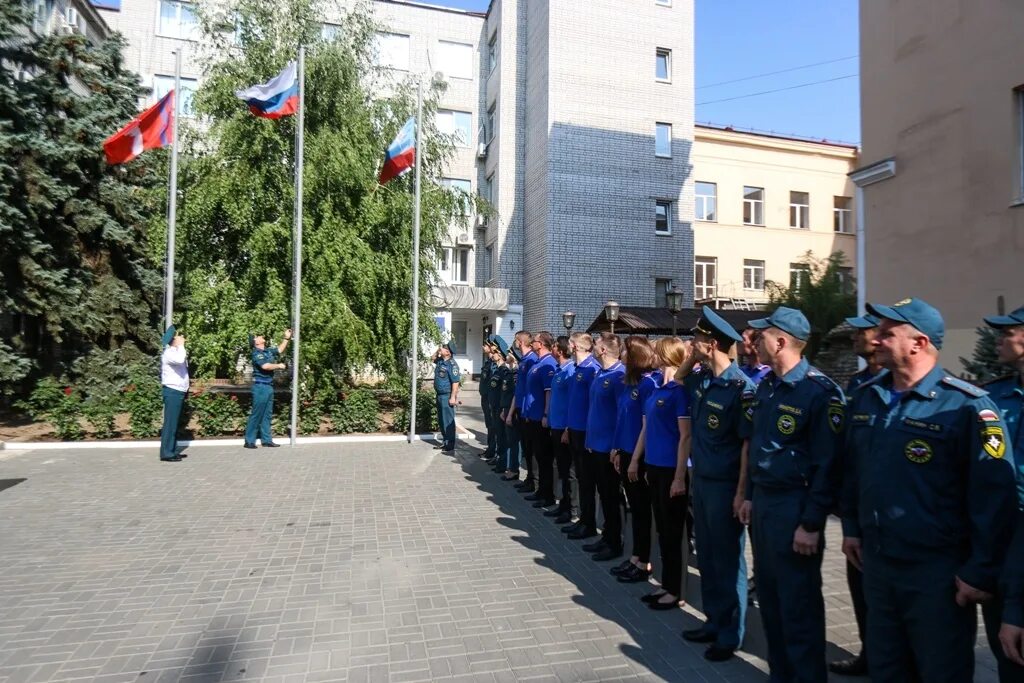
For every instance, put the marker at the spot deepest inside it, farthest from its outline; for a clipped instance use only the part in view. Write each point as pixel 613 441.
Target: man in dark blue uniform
pixel 486 370
pixel 721 432
pixel 929 502
pixel 264 362
pixel 865 328
pixel 524 342
pixel 499 375
pixel 797 416
pixel 446 388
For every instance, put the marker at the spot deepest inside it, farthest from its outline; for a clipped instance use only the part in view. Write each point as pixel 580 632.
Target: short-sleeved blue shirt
pixel 666 404
pixel 719 423
pixel 558 408
pixel 521 374
pixel 756 373
pixel 261 357
pixel 608 384
pixel 579 393
pixel 446 373
pixel 629 416
pixel 538 382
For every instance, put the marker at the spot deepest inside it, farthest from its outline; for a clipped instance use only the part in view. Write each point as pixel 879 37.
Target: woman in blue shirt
pixel 664 447
pixel 641 379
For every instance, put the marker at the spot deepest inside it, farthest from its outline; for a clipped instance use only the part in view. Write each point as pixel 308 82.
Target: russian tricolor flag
pixel 401 154
pixel 277 97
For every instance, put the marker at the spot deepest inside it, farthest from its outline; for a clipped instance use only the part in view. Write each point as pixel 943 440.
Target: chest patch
pixel 713 421
pixel 494 383
pixel 606 383
pixel 790 409
pixel 918 451
pixel 660 403
pixel 716 406
pixel 786 424
pixel 579 378
pixel 442 373
pixel 635 394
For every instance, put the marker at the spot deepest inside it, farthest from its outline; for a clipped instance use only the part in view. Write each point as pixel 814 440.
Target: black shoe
pixel 534 496
pixel 621 568
pixel 595 547
pixel 174 459
pixel 634 574
pixel 854 666
pixel 563 518
pixel 525 485
pixel 570 528
pixel 582 533
pixel 438 447
pixel 543 503
pixel 249 445
pixel 271 444
pixel 182 455
pixel 718 654
pixel 607 554
pixel 663 606
pixel 652 597
pixel 553 513
pixel 450 449
pixel 698 635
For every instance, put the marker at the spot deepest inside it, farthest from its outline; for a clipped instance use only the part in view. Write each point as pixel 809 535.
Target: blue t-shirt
pixel 558 408
pixel 608 384
pixel 629 416
pixel 261 357
pixel 524 369
pixel 538 382
pixel 666 404
pixel 579 393
pixel 756 373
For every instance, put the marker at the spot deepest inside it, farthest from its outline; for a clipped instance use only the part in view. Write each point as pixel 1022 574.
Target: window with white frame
pixel 663 139
pixel 177 19
pixel 391 50
pixel 457 123
pixel 42 10
pixel 662 286
pixel 753 205
pixel 663 64
pixel 842 214
pixel 492 52
pixel 799 276
pixel 662 217
pixel 799 210
pixel 705 201
pixel 444 261
pixel 165 84
pixel 455 60
pixel 461 264
pixel 705 277
pixel 753 275
pixel 463 187
pixel 487 190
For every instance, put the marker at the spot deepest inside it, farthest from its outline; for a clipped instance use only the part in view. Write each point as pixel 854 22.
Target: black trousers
pixel 563 460
pixel 670 520
pixel 586 478
pixel 544 462
pixel 639 496
pixel 526 441
pixel 855 581
pixel 608 489
pixel 485 406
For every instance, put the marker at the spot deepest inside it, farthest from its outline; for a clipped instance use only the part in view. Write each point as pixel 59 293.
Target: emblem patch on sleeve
pixel 786 424
pixel 987 416
pixel 835 418
pixel 993 441
pixel 918 451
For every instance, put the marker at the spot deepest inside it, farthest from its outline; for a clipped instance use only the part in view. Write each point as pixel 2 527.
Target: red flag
pixel 150 130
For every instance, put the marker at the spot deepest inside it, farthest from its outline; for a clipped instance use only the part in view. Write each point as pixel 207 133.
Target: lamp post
pixel 611 312
pixel 674 298
pixel 568 320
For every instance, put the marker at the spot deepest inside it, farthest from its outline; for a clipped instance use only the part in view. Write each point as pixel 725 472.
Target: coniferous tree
pixel 984 363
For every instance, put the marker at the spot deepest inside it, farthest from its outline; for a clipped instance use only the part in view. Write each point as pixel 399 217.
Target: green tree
pixel 984 362
pixel 74 272
pixel 236 220
pixel 821 292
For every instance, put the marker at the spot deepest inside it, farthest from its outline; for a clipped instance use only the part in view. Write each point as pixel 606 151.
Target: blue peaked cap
pixel 917 313
pixel 788 320
pixel 1012 320
pixel 714 325
pixel 863 322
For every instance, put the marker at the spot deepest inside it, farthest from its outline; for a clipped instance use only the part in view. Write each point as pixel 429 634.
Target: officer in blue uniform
pixel 1008 394
pixel 264 362
pixel 499 376
pixel 524 342
pixel 797 416
pixel 865 328
pixel 486 370
pixel 509 386
pixel 929 502
pixel 720 432
pixel 446 388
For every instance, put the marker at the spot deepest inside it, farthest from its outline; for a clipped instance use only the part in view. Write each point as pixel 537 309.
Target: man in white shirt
pixel 174 378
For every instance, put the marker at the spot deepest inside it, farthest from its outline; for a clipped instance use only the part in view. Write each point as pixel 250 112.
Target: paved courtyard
pixel 363 562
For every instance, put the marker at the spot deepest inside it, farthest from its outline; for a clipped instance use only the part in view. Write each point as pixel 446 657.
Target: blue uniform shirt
pixel 608 384
pixel 261 357
pixel 446 373
pixel 486 370
pixel 756 373
pixel 930 475
pixel 521 374
pixel 558 409
pixel 498 376
pixel 629 414
pixel 666 404
pixel 1008 395
pixel 579 393
pixel 538 383
pixel 794 438
pixel 719 424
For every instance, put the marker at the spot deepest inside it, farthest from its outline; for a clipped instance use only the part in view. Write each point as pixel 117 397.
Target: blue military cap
pixel 788 320
pixel 714 325
pixel 501 344
pixel 169 335
pixel 451 347
pixel 1012 320
pixel 863 322
pixel 915 312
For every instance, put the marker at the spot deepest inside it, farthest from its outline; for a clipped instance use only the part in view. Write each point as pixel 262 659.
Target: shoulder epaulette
pixel 824 380
pixel 964 386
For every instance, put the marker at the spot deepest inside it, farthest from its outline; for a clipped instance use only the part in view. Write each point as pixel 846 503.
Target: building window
pixel 705 277
pixel 492 53
pixel 799 275
pixel 455 60
pixel 753 275
pixel 661 290
pixel 663 140
pixel 663 65
pixel 391 51
pixel 706 201
pixel 444 262
pixel 41 14
pixel 842 214
pixel 846 282
pixel 177 20
pixel 799 210
pixel 489 128
pixel 460 329
pixel 488 261
pixel 328 32
pixel 457 123
pixel 463 188
pixel 165 84
pixel 662 217
pixel 487 190
pixel 461 274
pixel 753 205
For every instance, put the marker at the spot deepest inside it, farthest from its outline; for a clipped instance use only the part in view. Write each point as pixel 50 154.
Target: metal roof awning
pixel 651 321
pixel 472 298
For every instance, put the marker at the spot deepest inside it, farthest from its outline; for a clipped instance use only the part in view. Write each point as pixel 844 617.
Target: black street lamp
pixel 674 299
pixel 611 312
pixel 568 320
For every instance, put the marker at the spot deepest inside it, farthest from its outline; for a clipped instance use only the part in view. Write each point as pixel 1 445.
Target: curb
pixel 302 440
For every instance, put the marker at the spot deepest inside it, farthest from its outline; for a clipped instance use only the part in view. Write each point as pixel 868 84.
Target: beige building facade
pixel 942 177
pixel 761 202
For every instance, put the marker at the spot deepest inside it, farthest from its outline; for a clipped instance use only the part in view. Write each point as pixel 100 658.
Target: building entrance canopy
pixel 472 298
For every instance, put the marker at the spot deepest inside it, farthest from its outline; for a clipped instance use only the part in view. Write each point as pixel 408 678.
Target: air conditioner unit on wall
pixel 481 221
pixel 481 150
pixel 464 238
pixel 71 17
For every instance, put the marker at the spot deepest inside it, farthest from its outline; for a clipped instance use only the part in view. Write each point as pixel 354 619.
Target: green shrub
pixel 217 414
pixel 357 411
pixel 426 413
pixel 100 413
pixel 143 399
pixel 61 406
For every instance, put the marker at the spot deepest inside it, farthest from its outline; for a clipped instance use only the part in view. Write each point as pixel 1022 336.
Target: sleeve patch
pixel 835 418
pixel 993 440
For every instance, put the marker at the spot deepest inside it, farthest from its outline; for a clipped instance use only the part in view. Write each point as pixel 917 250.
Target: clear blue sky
pixel 737 39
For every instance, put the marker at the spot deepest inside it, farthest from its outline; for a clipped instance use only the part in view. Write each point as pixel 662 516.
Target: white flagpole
pixel 414 349
pixel 172 199
pixel 297 249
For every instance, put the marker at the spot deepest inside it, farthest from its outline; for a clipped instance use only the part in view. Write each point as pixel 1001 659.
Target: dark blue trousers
pixel 512 439
pixel 262 411
pixel 488 423
pixel 173 402
pixel 788 589
pixel 723 570
pixel 992 615
pixel 446 418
